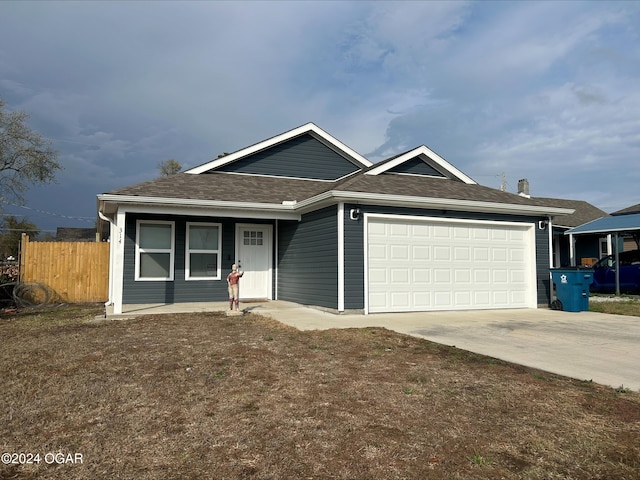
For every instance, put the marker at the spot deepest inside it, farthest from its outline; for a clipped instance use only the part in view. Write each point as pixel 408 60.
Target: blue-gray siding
pixel 178 290
pixel 416 166
pixel 308 259
pixel 307 263
pixel 300 157
pixel 353 261
pixel 354 248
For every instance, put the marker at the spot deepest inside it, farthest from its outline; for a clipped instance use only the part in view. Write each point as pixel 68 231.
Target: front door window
pixel 253 237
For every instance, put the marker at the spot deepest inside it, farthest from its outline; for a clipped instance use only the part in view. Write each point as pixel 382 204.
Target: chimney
pixel 523 188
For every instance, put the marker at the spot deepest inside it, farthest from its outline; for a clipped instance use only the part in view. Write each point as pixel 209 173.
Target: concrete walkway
pixel 584 345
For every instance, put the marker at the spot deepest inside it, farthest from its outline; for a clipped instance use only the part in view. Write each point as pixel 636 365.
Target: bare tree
pixel 169 167
pixel 11 234
pixel 26 158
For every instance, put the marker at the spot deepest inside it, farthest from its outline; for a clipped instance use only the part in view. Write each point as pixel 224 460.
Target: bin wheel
pixel 556 305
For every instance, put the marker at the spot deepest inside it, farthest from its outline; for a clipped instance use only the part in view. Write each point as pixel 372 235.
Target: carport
pixel 616 225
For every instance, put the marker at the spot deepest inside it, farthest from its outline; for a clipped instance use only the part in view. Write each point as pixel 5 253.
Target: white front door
pixel 254 258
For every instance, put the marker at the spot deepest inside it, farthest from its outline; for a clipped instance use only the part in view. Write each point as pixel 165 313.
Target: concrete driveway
pixel 585 345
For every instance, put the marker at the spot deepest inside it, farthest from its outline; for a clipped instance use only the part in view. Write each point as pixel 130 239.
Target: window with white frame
pixel 154 250
pixel 203 255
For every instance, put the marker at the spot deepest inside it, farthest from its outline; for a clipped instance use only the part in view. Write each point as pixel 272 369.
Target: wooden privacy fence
pixel 75 271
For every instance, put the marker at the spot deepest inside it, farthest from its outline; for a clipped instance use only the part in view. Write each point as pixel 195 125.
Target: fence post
pixel 24 241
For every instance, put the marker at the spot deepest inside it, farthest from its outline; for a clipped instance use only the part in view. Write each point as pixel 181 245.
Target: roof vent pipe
pixel 523 188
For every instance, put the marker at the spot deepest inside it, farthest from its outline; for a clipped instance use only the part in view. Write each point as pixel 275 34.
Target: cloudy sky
pixel 548 91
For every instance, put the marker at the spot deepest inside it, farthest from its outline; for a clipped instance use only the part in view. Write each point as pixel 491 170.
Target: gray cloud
pixel 544 90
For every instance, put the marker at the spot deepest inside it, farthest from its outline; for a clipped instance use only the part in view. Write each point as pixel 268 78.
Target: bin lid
pixel 572 269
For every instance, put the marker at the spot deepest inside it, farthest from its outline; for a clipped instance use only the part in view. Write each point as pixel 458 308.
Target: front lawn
pixel 214 397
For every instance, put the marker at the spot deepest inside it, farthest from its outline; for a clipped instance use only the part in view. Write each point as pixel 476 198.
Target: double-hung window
pixel 203 256
pixel 154 250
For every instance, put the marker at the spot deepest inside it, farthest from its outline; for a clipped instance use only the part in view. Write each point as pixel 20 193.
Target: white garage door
pixel 416 264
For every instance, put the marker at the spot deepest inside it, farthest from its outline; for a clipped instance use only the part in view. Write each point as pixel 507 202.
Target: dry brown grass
pixel 622 306
pixel 215 397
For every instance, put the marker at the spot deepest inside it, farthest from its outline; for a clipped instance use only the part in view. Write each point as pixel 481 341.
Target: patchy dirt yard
pixel 215 397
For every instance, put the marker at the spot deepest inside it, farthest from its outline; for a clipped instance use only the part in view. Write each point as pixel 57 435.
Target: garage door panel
pixel 442 276
pixel 517 255
pixel 517 276
pixel 463 299
pixel 378 301
pixel 499 254
pixel 441 232
pixel 501 298
pixel 441 253
pixel 421 253
pixel 481 254
pixel 398 230
pixel 478 234
pixel 399 252
pixel 434 265
pixel 482 298
pixel 498 235
pixel 400 300
pixel 481 275
pixel 461 233
pixel 400 275
pixel 462 276
pixel 499 276
pixel 421 275
pixel 442 300
pixel 378 252
pixel 378 276
pixel 422 231
pixel 462 254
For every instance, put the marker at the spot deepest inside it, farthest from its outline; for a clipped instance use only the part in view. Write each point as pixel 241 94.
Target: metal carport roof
pixel 615 224
pixel 612 224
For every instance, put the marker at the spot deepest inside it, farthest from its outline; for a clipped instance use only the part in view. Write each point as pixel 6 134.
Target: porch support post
pixel 341 256
pixel 275 263
pixel 572 250
pixel 615 236
pixel 117 249
pixel 552 246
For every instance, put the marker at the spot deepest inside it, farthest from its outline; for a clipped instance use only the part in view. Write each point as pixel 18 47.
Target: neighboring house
pixel 631 242
pixel 311 221
pixel 621 229
pixel 588 248
pixel 69 234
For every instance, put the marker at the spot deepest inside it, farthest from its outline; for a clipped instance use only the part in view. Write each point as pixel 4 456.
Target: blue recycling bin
pixel 572 288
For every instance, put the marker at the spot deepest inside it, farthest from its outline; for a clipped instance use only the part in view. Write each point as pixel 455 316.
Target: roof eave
pixel 110 203
pixel 601 230
pixel 426 202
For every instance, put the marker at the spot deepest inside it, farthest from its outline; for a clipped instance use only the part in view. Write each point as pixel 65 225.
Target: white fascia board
pixel 602 231
pixel 283 137
pixel 181 206
pixel 423 150
pixel 426 202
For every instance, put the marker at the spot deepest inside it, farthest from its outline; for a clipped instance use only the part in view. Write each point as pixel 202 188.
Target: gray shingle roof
pixel 263 189
pixel 629 210
pixel 433 187
pixel 226 187
pixel 584 212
